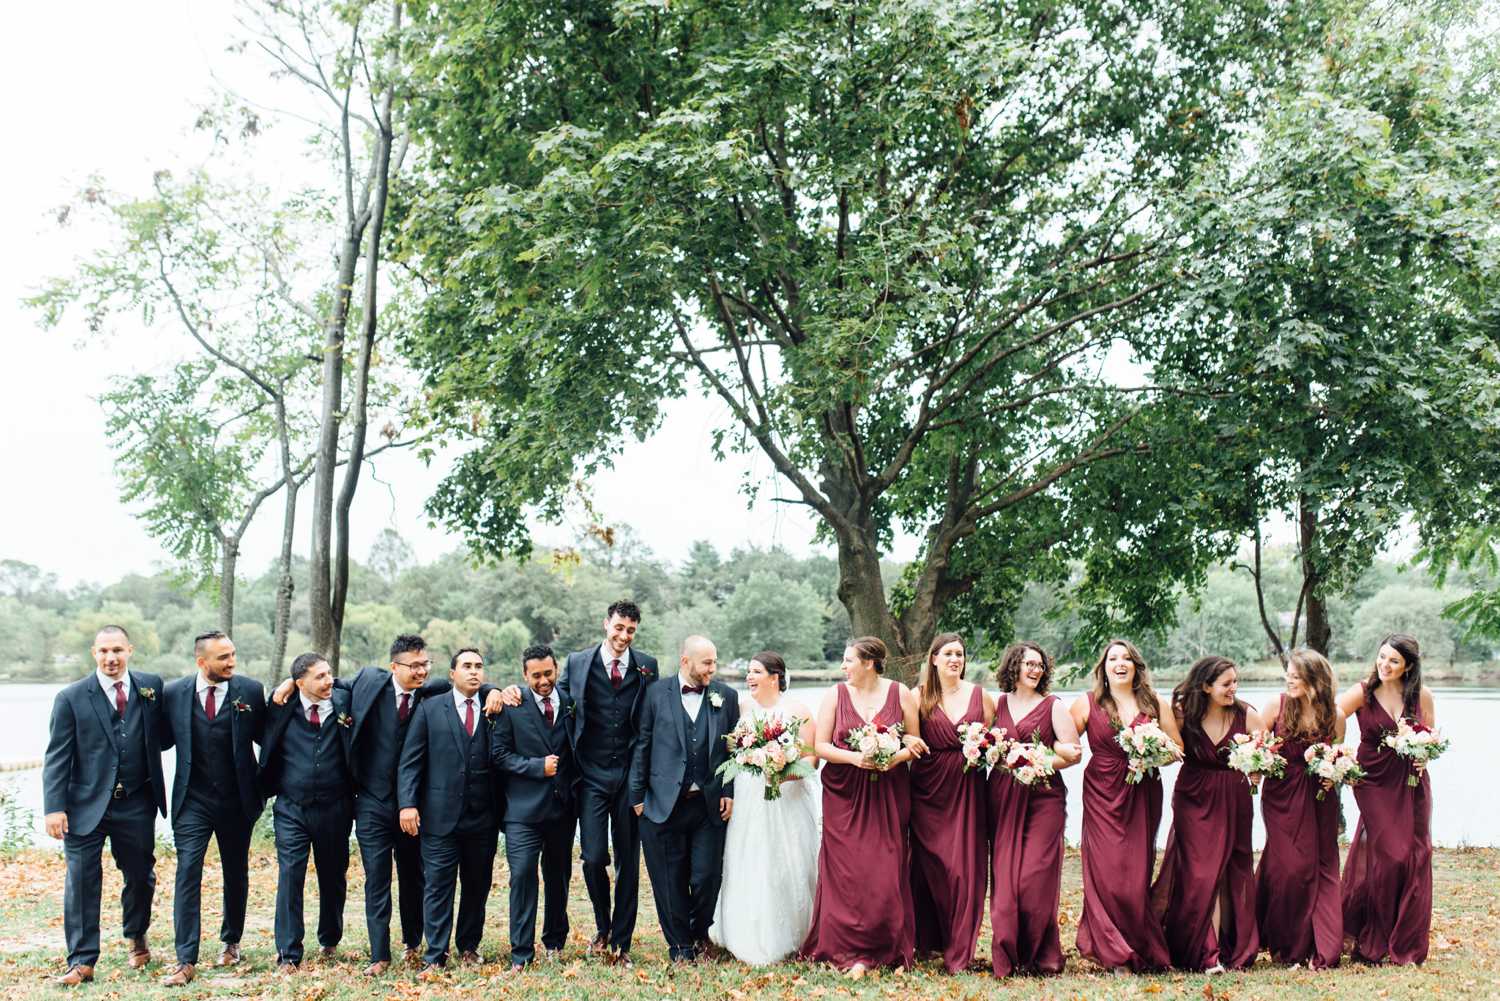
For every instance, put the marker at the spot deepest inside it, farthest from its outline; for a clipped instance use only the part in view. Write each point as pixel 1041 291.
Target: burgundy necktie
pixel 469 716
pixel 405 708
pixel 209 709
pixel 616 678
pixel 312 715
pixel 547 708
pixel 120 698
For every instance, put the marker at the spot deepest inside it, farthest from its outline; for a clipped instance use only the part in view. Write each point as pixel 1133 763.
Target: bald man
pixel 682 802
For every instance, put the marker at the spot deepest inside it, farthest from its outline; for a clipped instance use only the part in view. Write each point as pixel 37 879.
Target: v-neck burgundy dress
pixel 1026 854
pixel 948 840
pixel 1209 865
pixel 863 909
pixel 1388 878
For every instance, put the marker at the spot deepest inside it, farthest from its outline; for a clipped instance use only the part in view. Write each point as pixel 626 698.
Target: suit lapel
pixel 456 726
pixel 230 698
pixel 674 699
pixel 713 718
pixel 102 709
pixel 363 701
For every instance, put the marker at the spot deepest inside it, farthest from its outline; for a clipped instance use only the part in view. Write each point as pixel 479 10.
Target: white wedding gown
pixel 770 862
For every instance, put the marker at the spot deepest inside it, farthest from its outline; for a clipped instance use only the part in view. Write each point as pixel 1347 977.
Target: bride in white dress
pixel 771 847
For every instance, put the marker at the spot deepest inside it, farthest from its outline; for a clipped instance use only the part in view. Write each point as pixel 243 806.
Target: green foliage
pixel 767 612
pixel 905 243
pixel 368 631
pixel 1407 608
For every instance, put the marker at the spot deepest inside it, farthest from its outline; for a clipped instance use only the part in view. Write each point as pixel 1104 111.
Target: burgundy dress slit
pixel 863 909
pixel 1026 854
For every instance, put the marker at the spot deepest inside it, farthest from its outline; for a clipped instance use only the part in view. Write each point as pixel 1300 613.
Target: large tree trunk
pixel 229 555
pixel 284 583
pixel 325 631
pixel 1319 632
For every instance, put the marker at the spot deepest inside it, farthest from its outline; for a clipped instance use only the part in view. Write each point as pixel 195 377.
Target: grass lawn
pixel 1464 963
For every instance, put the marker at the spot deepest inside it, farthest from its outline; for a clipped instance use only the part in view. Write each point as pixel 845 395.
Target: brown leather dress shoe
pixel 287 969
pixel 329 953
pixel 469 958
pixel 231 954
pixel 139 953
pixel 599 944
pixel 76 975
pixel 412 956
pixel 378 967
pixel 432 970
pixel 181 976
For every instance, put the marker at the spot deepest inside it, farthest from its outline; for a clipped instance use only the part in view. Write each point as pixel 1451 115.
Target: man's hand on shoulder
pixel 494 702
pixel 283 692
pixel 509 696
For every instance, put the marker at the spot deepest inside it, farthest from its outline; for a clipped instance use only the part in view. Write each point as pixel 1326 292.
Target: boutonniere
pixel 568 708
pixel 345 720
pixel 716 700
pixel 240 706
pixel 643 671
pixel 149 694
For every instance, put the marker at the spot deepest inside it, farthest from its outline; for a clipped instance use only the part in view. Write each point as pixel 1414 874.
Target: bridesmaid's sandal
pixel 856 972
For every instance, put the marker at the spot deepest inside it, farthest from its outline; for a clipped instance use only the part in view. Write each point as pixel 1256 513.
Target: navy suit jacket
pixel 518 746
pixel 248 725
pixel 658 773
pixel 272 751
pixel 431 776
pixel 574 684
pixel 78 773
pixel 369 684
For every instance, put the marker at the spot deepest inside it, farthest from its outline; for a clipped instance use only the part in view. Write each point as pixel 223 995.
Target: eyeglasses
pixel 421 665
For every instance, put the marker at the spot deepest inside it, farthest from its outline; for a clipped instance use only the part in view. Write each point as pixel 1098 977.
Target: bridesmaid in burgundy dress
pixel 948 810
pixel 1118 929
pixel 1026 822
pixel 1205 891
pixel 1388 878
pixel 862 915
pixel 1297 906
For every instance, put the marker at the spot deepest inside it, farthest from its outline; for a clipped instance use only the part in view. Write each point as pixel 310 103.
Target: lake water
pixel 1463 814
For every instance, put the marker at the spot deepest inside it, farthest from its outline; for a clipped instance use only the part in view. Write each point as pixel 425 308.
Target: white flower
pixel 715 699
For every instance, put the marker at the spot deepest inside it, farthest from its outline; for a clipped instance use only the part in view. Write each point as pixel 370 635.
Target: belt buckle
pixel 119 790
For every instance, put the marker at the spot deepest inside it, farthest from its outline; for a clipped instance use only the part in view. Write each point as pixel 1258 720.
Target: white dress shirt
pixel 458 703
pixel 221 692
pixel 108 684
pixel 396 685
pixel 539 708
pixel 325 709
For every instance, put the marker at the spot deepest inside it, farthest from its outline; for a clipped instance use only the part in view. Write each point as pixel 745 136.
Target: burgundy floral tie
pixel 616 677
pixel 547 708
pixel 120 698
pixel 469 716
pixel 404 711
pixel 209 709
pixel 312 715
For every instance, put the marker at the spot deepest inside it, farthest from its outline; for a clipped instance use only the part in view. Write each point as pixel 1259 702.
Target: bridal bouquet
pixel 1333 765
pixel 981 745
pixel 1417 742
pixel 876 743
pixel 1147 747
pixel 1031 762
pixel 1255 754
pixel 767 746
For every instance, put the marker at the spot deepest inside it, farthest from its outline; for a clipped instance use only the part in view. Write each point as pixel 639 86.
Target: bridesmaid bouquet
pixel 1255 754
pixel 1031 762
pixel 982 745
pixel 1417 742
pixel 876 743
pixel 767 746
pixel 1334 764
pixel 1147 747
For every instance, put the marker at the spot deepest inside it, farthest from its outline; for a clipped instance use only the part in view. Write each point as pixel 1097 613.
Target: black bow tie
pixel 693 689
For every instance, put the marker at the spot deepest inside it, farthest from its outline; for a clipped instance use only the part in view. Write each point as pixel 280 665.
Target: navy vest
pixel 131 745
pixel 698 749
pixel 607 724
pixel 313 767
pixel 479 798
pixel 212 769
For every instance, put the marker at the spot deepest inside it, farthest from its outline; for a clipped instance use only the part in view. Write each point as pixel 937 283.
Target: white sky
pixel 110 89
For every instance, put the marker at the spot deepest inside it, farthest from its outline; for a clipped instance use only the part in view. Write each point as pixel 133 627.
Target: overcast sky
pixel 109 89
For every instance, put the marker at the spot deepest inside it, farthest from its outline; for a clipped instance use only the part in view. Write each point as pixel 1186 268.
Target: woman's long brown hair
pixel 930 684
pixel 1311 718
pixel 1145 695
pixel 1411 678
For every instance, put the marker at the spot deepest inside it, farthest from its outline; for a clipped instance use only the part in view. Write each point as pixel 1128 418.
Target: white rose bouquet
pixel 1147 747
pixel 1333 765
pixel 1255 754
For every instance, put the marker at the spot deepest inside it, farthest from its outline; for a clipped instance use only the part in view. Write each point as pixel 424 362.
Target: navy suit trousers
pixel 130 826
pixel 197 822
pixel 323 829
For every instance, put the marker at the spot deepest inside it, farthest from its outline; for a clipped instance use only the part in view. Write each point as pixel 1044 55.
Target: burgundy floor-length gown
pixel 1118 928
pixel 1026 854
pixel 948 829
pixel 863 909
pixel 1297 905
pixel 1209 865
pixel 1387 886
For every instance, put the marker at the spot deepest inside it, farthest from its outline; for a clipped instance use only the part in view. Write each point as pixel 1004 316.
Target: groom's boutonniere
pixel 642 670
pixel 149 694
pixel 345 720
pixel 716 700
pixel 240 706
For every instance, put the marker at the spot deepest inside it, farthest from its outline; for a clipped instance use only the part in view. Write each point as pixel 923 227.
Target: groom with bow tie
pixel 682 801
